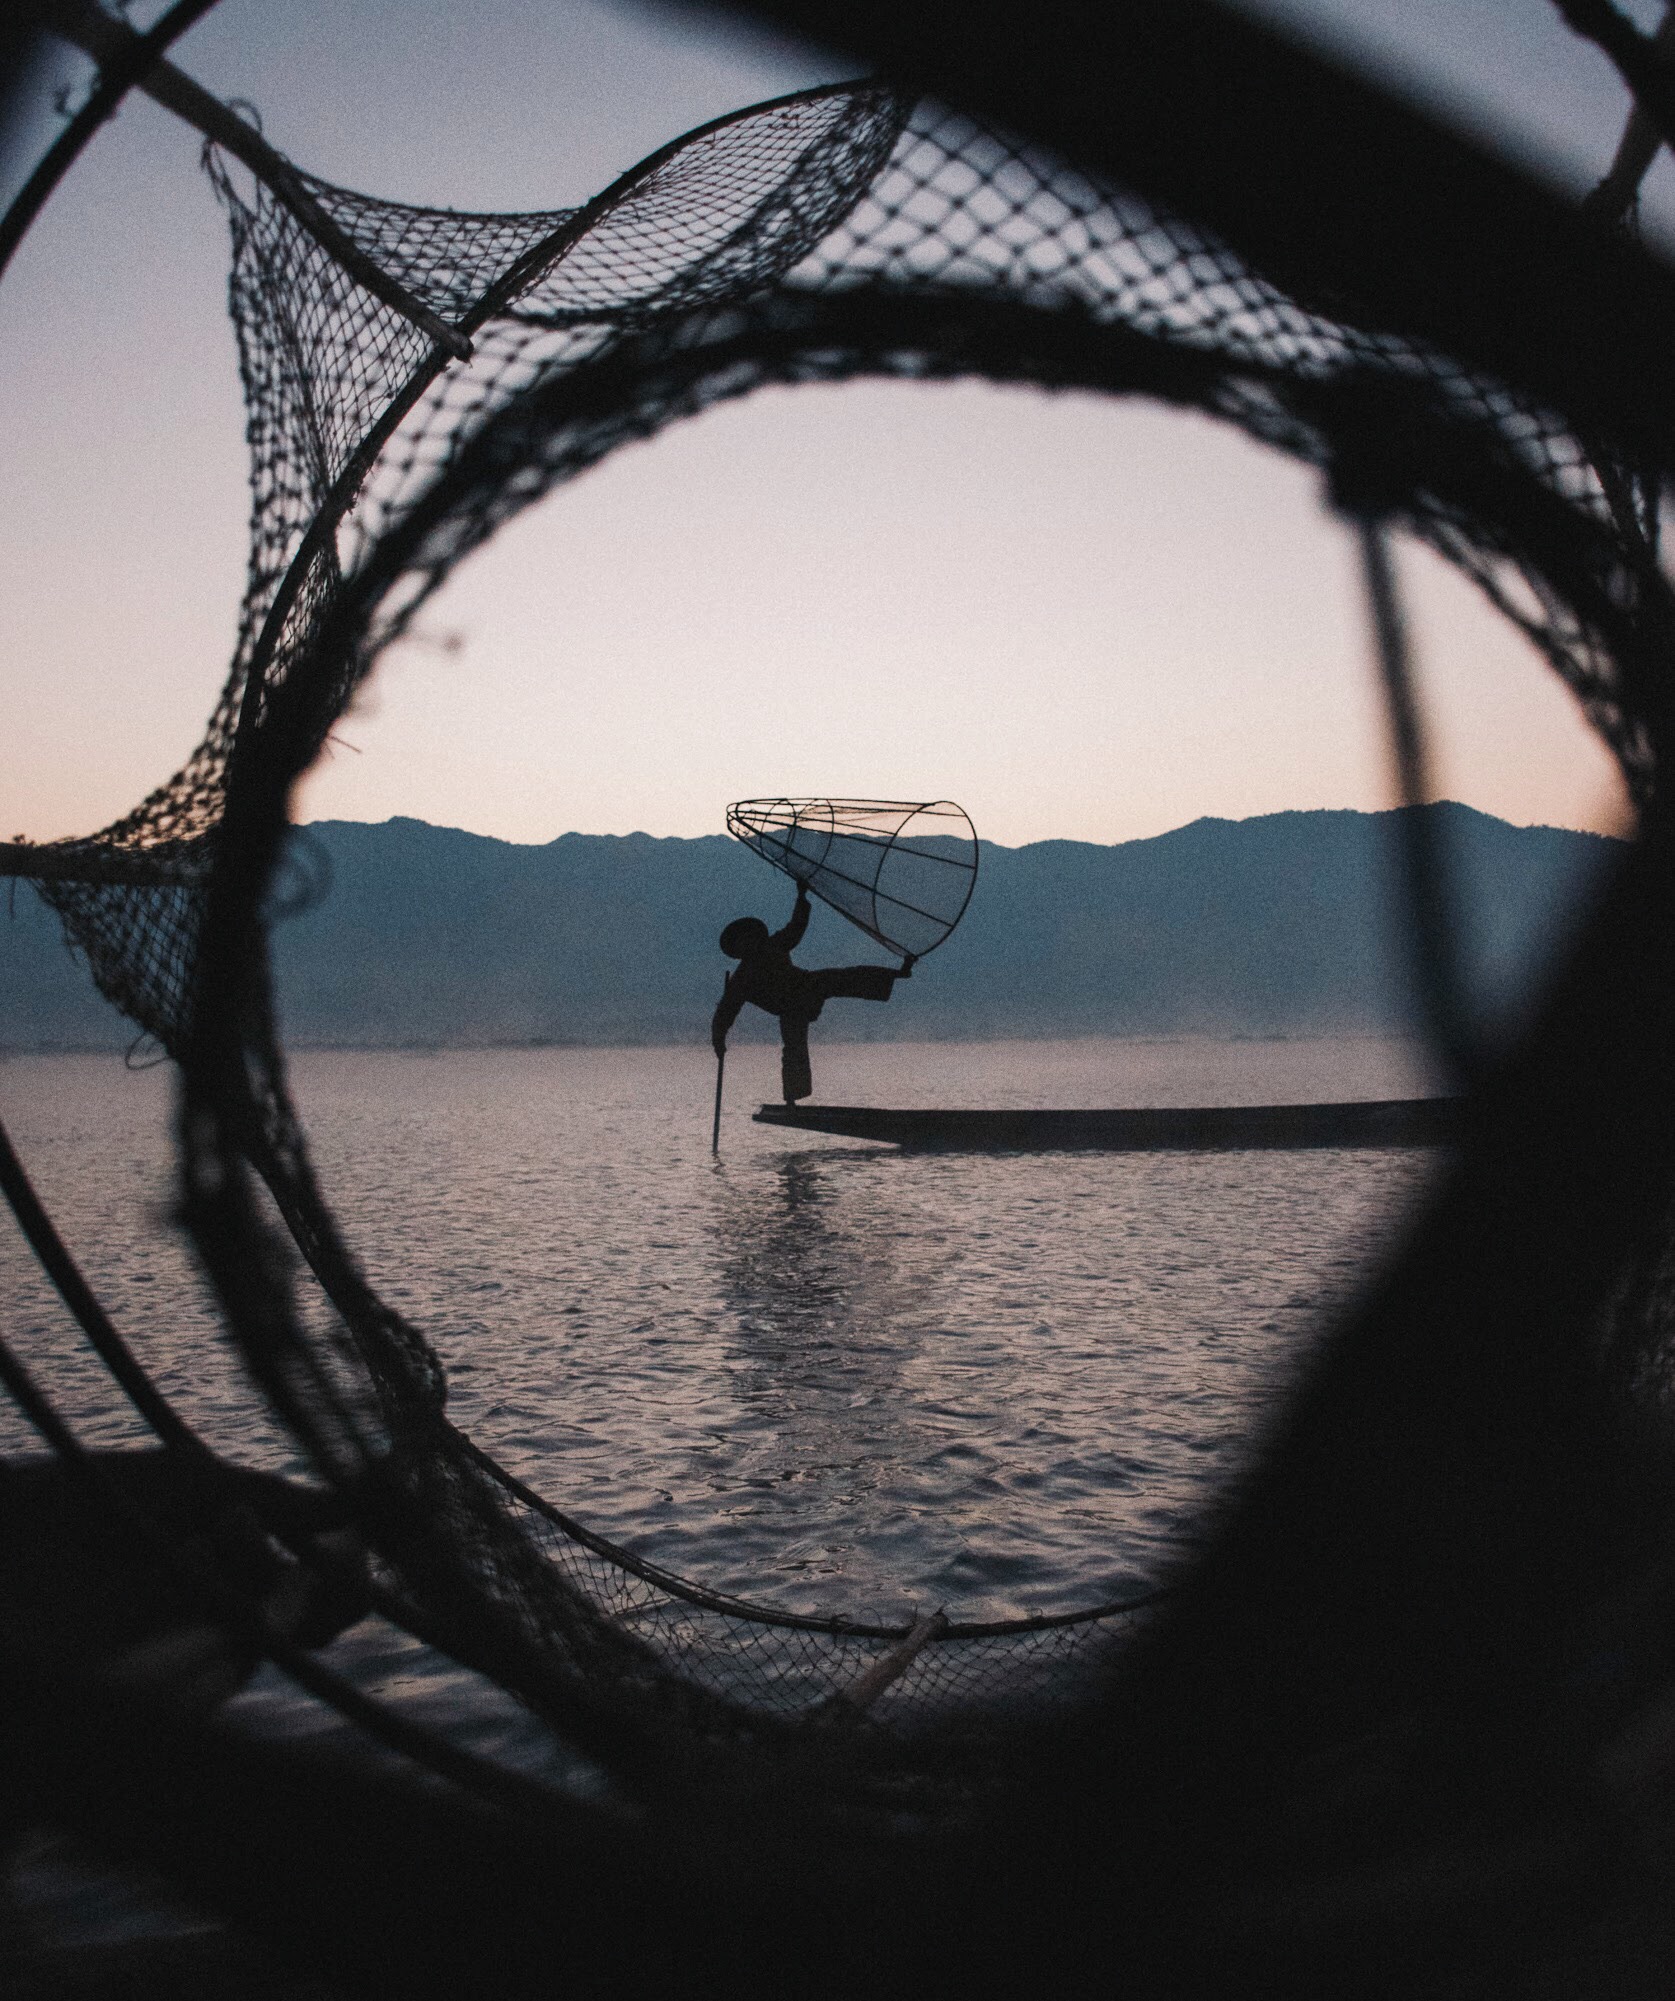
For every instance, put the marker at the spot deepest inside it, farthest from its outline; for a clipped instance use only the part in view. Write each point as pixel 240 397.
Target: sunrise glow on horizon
pixel 1084 618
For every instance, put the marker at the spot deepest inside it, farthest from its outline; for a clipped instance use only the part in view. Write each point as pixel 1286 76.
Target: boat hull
pixel 1383 1122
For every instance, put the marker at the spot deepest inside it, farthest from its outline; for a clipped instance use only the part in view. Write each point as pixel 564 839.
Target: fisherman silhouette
pixel 766 977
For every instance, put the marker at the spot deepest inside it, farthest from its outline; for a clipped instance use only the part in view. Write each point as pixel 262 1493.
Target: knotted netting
pixel 839 233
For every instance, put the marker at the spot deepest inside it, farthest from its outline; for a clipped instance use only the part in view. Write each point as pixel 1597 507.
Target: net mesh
pixel 902 873
pixel 838 233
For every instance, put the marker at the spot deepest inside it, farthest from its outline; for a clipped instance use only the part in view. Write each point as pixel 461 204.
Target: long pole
pixel 720 1072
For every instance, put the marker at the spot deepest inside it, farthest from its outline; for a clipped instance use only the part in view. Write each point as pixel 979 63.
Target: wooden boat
pixel 1197 1129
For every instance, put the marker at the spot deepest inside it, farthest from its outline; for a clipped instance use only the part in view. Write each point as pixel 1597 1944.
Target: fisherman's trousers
pixel 834 983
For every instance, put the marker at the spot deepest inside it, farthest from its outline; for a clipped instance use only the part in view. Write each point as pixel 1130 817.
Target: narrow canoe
pixel 1206 1129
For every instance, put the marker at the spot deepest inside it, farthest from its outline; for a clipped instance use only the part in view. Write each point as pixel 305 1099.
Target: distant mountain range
pixel 1282 925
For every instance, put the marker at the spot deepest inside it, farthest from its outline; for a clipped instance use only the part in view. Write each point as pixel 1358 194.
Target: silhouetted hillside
pixel 1281 925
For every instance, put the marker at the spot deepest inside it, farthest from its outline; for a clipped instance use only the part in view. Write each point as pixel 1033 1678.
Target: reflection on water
pixel 825 1374
pixel 822 1315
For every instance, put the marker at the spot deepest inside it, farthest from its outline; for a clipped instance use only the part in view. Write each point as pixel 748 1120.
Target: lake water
pixel 813 1371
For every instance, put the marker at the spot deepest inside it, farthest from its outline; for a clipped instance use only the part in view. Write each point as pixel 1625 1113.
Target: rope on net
pixel 833 234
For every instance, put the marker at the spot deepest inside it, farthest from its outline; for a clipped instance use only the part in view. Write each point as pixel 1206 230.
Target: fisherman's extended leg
pixel 854 982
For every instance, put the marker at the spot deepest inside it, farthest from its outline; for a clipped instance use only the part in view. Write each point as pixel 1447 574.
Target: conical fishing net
pixel 900 872
pixel 839 233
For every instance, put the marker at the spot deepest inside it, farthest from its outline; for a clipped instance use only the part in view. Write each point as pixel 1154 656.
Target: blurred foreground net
pixel 842 232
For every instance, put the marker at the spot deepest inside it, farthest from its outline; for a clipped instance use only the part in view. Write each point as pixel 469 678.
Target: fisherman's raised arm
pixel 792 935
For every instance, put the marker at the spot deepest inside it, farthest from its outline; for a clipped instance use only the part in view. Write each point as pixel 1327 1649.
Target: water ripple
pixel 818 1372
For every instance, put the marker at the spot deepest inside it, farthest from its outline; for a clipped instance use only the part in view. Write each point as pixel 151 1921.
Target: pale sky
pixel 1081 618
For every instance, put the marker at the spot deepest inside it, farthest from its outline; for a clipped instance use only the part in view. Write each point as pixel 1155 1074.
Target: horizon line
pixel 1011 847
